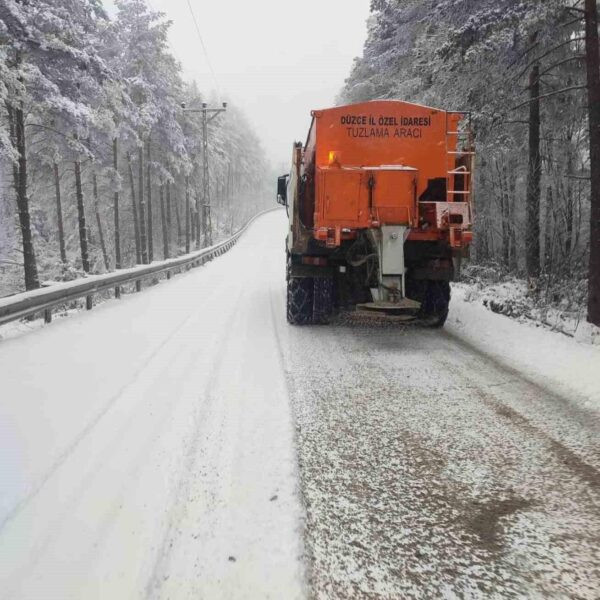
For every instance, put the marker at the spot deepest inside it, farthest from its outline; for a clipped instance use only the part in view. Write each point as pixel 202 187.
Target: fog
pixel 276 59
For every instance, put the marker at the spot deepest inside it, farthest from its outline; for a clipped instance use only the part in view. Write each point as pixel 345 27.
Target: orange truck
pixel 379 206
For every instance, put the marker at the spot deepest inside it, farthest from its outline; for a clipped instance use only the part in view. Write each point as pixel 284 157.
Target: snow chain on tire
pixel 323 300
pixel 300 301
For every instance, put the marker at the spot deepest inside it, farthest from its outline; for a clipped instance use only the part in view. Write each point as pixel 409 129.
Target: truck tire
pixel 323 300
pixel 434 309
pixel 300 296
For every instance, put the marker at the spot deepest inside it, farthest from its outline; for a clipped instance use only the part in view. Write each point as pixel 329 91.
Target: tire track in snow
pixel 236 535
pixel 575 410
pixel 118 443
pixel 68 451
pixel 587 471
pixel 180 497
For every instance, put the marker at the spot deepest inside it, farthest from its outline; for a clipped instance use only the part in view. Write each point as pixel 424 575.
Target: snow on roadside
pixel 563 364
pixel 560 309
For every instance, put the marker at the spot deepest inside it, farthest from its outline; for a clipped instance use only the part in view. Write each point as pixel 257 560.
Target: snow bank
pixel 550 359
pixel 558 307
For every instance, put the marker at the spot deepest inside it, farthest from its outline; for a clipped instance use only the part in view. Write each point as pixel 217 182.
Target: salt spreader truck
pixel 379 207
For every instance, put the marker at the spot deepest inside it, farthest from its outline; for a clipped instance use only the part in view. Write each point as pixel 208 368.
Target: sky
pixel 275 59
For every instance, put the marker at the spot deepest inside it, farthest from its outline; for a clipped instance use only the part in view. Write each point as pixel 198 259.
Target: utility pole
pixel 208 114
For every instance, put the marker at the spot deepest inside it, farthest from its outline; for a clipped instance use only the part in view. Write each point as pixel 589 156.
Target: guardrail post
pixel 138 285
pixel 117 292
pixel 88 302
pixel 168 274
pixel 48 315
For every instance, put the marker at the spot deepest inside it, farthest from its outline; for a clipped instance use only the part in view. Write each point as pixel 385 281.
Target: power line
pixel 203 46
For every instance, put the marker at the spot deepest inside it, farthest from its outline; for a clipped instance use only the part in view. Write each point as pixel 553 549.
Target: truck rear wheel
pixel 300 296
pixel 323 300
pixel 435 305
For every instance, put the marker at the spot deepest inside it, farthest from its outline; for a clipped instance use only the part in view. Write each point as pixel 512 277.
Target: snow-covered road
pixel 430 472
pixel 146 448
pixel 186 442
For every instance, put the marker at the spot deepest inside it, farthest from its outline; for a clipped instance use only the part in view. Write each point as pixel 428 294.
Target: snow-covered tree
pixel 52 68
pixel 518 67
pixel 92 120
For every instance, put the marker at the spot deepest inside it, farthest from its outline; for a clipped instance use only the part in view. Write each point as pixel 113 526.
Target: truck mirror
pixel 282 189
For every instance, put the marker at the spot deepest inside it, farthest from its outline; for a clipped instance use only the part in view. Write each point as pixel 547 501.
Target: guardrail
pixel 43 300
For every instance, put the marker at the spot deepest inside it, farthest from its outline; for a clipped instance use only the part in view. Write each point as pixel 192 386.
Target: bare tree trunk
pixel 59 217
pixel 504 204
pixel 532 237
pixel 143 230
pixel 99 222
pixel 512 194
pixel 228 196
pixel 178 221
pixel 490 237
pixel 187 215
pixel 163 220
pixel 83 241
pixel 136 224
pixel 194 227
pixel 169 219
pixel 149 205
pixel 577 218
pixel 116 206
pixel 568 226
pixel 13 138
pixel 20 180
pixel 217 202
pixel 593 85
pixel 194 219
pixel 549 231
pixel 198 225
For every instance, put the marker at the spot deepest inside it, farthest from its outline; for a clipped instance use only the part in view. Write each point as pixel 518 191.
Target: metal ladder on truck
pixel 459 149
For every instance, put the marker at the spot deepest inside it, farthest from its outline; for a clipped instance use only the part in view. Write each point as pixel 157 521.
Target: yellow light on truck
pixel 334 158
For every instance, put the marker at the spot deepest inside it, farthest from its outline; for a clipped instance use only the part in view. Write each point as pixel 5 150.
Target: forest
pixel 101 145
pixel 528 73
